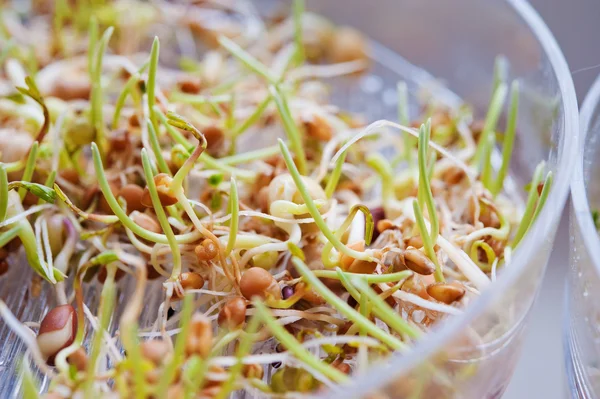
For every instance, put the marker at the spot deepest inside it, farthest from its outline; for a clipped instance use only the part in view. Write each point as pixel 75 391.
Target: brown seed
pixel 57 331
pixel 56 233
pixel 78 359
pixel 446 292
pixel 200 336
pixel 163 187
pixel 76 87
pixel 155 350
pixel 119 140
pixel 206 251
pixel 215 139
pixel 132 193
pixel 3 254
pixel 344 368
pixel 345 260
pixel 189 281
pixel 385 224
pixel 418 262
pixel 309 294
pixel 190 85
pixel 233 313
pixel 453 175
pixel 414 285
pixel 260 283
pixel 318 128
pixel 414 241
pixel 348 44
pixel 362 267
pixel 102 203
pixel 253 370
pixel 176 392
pixel 147 222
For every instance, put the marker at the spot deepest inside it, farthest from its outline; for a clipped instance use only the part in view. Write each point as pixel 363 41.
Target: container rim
pixel 380 375
pixel 579 197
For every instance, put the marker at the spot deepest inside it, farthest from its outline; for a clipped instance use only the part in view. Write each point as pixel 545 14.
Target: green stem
pixel 291 344
pixel 369 278
pixel 425 194
pixel 299 7
pixel 234 209
pixel 3 192
pixel 314 211
pixel 160 160
pixel 291 130
pixel 162 217
pixel 246 59
pixel 344 308
pixel 485 145
pixel 151 86
pixel 532 198
pixel 427 242
pixel 336 173
pixel 253 118
pixel 29 168
pixel 250 156
pixel 509 138
pixel 96 113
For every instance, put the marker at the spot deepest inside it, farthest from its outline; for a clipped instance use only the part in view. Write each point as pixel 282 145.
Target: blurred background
pixel 540 373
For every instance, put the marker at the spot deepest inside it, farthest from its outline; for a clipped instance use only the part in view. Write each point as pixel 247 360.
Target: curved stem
pixel 427 243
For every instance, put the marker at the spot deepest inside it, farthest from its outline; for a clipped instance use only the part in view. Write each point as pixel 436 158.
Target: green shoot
pixel 543 196
pixel 384 170
pixel 369 278
pixel 151 86
pixel 29 168
pixel 509 138
pixel 424 193
pixel 93 40
pixel 291 344
pixel 344 308
pixel 246 59
pixel 489 253
pixel 234 210
pixel 178 354
pixel 314 211
pixel 487 138
pixel 532 198
pixel 380 307
pixel 3 192
pixel 96 114
pixel 428 244
pixel 369 227
pixel 336 173
pixel 129 86
pixel 33 92
pixel 253 118
pixel 160 160
pixel 291 130
pixel 44 193
pixel 162 217
pixel 299 7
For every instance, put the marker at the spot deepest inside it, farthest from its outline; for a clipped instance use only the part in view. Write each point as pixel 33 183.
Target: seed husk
pixel 418 262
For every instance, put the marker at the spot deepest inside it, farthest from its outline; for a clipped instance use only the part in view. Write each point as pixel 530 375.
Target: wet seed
pixel 233 313
pixel 418 262
pixel 446 292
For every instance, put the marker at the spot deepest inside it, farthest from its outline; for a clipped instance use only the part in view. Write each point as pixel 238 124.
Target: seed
pixel 78 359
pixel 378 214
pixel 176 392
pixel 163 187
pixel 453 175
pixel 119 140
pixel 3 254
pixel 418 262
pixel 155 350
pixel 102 203
pixel 233 313
pixel 206 251
pixel 308 294
pixel 132 193
pixel 414 285
pixel 57 331
pixel 348 44
pixel 14 146
pixel 76 87
pixel 352 302
pixel 344 368
pixel 318 128
pixel 146 222
pixel 446 292
pixel 70 175
pixel 253 370
pixel 287 292
pixel 362 267
pixel 215 139
pixel 200 336
pixel 190 85
pixel 259 282
pixel 345 260
pixel 414 241
pixel 385 224
pixel 189 281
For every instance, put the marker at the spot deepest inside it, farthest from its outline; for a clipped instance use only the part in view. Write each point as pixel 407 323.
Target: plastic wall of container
pixel 473 355
pixel 582 318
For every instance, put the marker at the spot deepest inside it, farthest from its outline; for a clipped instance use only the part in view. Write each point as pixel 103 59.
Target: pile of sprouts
pixel 292 244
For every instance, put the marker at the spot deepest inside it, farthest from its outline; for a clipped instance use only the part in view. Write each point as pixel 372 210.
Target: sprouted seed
pixel 288 251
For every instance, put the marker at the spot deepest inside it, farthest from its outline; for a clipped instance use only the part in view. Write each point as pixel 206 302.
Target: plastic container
pixel 582 318
pixel 456 42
